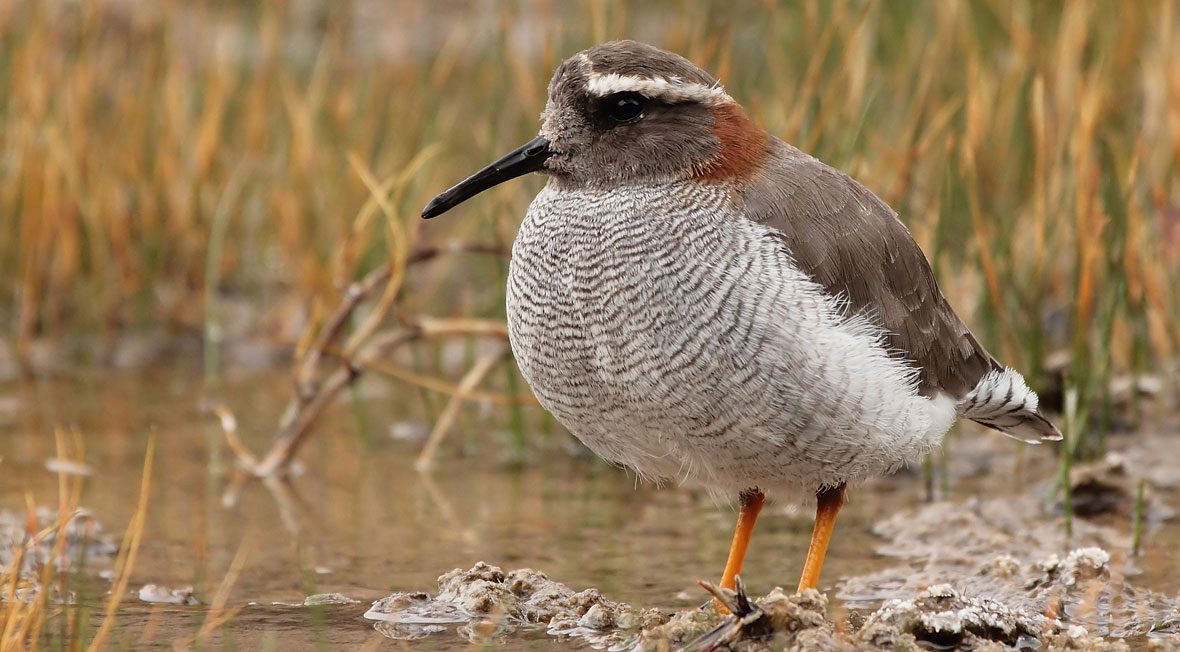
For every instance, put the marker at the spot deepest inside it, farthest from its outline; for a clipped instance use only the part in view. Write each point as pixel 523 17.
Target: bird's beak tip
pixel 432 209
pixel 529 157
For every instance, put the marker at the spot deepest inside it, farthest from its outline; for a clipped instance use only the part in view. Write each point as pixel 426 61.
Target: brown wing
pixel 853 244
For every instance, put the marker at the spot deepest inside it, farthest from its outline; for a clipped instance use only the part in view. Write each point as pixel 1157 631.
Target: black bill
pixel 529 157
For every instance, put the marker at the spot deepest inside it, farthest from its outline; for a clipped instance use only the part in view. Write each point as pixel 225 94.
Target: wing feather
pixel 854 245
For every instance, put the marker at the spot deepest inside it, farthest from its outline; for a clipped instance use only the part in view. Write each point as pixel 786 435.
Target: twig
pixel 444 386
pixel 353 296
pixel 229 427
pixel 305 410
pixel 399 247
pixel 439 327
pixel 745 619
pixel 425 254
pixel 233 488
pixel 293 510
pixel 446 511
pixel 292 437
pixel 365 348
pixel 480 369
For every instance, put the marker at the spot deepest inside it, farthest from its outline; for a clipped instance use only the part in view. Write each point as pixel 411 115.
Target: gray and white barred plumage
pixel 678 339
pixel 702 302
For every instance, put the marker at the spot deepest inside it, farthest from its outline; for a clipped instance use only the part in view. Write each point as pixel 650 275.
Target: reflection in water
pixel 360 522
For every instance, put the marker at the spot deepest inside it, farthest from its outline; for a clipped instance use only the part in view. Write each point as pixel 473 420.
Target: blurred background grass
pixel 162 163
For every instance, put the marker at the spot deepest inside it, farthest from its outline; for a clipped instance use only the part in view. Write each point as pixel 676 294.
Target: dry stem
pixel 331 360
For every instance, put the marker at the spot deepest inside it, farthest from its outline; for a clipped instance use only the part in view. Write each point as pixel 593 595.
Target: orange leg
pixel 751 504
pixel 827 505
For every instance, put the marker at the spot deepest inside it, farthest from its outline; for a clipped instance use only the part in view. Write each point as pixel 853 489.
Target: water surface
pixel 362 522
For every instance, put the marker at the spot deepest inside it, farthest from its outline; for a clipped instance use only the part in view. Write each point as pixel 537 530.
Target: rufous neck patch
pixel 744 146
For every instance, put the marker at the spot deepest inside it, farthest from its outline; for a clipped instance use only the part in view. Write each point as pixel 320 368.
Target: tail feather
pixel 1003 401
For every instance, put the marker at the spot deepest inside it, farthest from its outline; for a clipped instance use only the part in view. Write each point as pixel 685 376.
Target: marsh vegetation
pixel 228 335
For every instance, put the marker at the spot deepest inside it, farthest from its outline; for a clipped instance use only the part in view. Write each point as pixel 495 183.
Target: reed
pixel 1137 518
pixel 128 551
pixel 162 160
pixel 37 605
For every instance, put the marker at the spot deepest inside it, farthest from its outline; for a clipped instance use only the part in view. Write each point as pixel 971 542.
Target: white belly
pixel 681 341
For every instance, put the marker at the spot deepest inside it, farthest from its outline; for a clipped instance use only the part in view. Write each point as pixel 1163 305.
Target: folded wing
pixel 853 244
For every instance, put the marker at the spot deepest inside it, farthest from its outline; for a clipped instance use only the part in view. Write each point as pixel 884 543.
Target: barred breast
pixel 674 336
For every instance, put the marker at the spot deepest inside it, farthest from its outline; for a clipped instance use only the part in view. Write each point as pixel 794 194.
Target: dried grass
pixel 160 159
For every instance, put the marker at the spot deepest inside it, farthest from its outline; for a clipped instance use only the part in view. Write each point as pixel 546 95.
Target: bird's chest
pixel 621 315
pixel 672 336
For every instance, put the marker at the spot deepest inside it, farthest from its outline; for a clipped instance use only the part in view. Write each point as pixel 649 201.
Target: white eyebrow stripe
pixel 670 90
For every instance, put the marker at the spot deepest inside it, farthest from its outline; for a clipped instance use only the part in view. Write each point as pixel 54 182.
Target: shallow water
pixel 366 524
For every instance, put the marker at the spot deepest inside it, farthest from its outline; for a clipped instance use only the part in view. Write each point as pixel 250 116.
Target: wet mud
pixel 1055 603
pixel 975 574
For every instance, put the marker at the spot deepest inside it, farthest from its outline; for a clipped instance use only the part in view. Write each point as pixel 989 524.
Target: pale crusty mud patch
pixel 975 575
pixel 484 604
pixel 86 539
pixel 1009 552
pixel 28 544
pixel 937 618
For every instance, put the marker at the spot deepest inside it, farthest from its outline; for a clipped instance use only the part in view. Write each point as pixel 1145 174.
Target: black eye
pixel 623 108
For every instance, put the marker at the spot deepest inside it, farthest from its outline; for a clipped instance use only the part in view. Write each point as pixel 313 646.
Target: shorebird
pixel 700 301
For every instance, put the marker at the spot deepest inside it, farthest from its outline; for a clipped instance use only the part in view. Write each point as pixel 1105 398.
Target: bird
pixel 701 302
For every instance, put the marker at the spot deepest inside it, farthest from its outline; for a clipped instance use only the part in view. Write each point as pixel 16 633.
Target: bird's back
pixel 853 244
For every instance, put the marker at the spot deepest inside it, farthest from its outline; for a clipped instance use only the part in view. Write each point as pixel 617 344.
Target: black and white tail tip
pixel 1003 401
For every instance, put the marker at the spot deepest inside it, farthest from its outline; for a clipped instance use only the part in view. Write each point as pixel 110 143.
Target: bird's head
pixel 625 113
